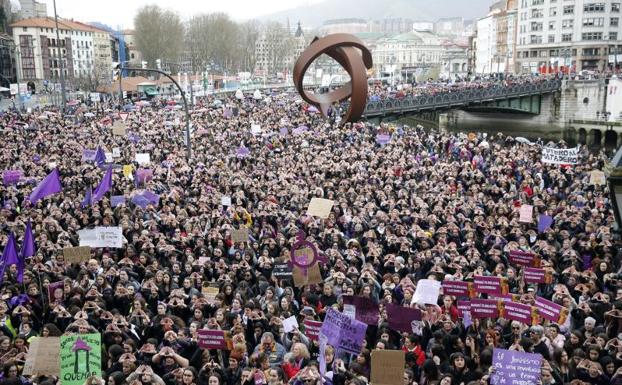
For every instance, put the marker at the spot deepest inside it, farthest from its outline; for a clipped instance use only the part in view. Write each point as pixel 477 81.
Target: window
pixel 613 36
pixel 537 2
pixel 568 9
pixel 594 7
pixel 590 52
pixel 537 13
pixel 592 36
pixel 25 29
pixel 535 39
pixel 569 23
pixel 615 7
pixel 536 26
pixel 551 25
pixel 551 38
pixel 566 37
pixel 593 21
pixel 553 11
pixel 614 21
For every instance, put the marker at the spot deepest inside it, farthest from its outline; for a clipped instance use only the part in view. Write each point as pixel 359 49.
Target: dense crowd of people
pixel 428 204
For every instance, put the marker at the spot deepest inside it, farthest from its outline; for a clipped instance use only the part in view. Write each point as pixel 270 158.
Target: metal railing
pixel 458 98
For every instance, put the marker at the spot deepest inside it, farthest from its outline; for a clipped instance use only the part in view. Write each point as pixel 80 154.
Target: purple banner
pixel 11 176
pixel 484 308
pixel 489 285
pixel 522 258
pixel 516 311
pixel 342 332
pixel 550 310
pixel 212 339
pixel 515 368
pixel 400 318
pixel 457 288
pixel 463 306
pixel 116 200
pixel 365 309
pixel 535 275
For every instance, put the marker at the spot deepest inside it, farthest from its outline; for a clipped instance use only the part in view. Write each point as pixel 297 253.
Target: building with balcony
pixel 569 35
pixel 495 40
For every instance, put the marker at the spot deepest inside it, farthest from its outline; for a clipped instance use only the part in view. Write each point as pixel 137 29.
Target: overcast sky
pixel 121 12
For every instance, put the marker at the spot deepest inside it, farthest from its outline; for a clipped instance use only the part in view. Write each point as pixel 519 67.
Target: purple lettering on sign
pixel 515 368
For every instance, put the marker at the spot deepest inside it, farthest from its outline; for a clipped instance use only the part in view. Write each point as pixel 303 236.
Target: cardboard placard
pixel 210 294
pixel 387 367
pixel 143 158
pixel 597 178
pixel 43 357
pixel 239 235
pixel 77 254
pixel 313 276
pixel 118 129
pixel 319 207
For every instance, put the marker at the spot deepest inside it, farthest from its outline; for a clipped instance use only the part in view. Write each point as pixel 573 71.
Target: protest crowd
pixel 434 246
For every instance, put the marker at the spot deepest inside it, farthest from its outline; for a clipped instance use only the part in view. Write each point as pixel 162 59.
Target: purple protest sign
pixel 365 310
pixel 401 318
pixel 550 310
pixel 535 275
pixel 490 285
pixel 342 332
pixel 512 367
pixel 517 311
pixel 463 307
pixel 383 139
pixel 299 130
pixel 88 155
pixel 484 308
pixel 11 176
pixel 283 131
pixel 116 200
pixel 312 329
pixel 212 339
pixel 143 175
pixel 457 288
pixel 242 152
pixel 523 258
pixel 544 222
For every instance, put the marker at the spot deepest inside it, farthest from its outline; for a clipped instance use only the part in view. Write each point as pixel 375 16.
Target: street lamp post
pixel 183 96
pixel 614 180
pixel 62 65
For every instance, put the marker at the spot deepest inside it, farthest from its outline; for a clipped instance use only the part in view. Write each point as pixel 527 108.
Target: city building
pixel 568 35
pixel 7 60
pixel 350 25
pixel 393 26
pixel 495 41
pixel 454 61
pixel 451 26
pixel 32 8
pixel 423 26
pixel 133 55
pixel 39 52
pixel 277 49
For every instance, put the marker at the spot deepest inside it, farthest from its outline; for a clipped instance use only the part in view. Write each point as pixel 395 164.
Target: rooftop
pixel 48 22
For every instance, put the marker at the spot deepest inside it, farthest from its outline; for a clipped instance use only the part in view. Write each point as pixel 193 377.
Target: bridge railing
pixel 458 98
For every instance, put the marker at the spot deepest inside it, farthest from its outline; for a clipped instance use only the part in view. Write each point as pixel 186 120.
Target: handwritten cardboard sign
pixel 319 207
pixel 77 254
pixel 118 129
pixel 387 367
pixel 313 276
pixel 43 357
pixel 239 235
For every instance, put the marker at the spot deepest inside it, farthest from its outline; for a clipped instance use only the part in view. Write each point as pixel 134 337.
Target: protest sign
pixel 312 329
pixel 77 254
pixel 11 176
pixel 387 367
pixel 127 171
pixel 517 311
pixel 484 308
pixel 319 207
pixel 458 288
pixel 597 178
pixel 108 157
pixel 212 339
pixel 313 275
pixel 239 235
pixel 364 309
pixel 383 139
pixel 551 311
pixel 43 357
pixel 242 152
pixel 491 285
pixel 143 158
pixel 560 155
pixel 56 292
pixel 512 367
pixel 102 236
pixel 255 129
pixel 225 200
pixel 526 214
pixel 342 332
pixel 463 306
pixel 535 275
pixel 144 175
pixel 116 152
pixel 282 271
pixel 116 200
pixel 426 292
pixel 80 358
pixel 88 155
pixel 290 324
pixel 401 318
pixel 544 222
pixel 524 258
pixel 118 128
pixel 210 293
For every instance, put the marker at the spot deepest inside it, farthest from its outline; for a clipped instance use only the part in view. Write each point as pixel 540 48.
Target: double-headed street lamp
pixel 183 96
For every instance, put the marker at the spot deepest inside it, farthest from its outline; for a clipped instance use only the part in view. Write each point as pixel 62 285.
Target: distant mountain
pixel 419 10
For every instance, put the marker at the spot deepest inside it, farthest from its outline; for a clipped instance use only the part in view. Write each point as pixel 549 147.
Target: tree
pixel 249 33
pixel 159 34
pixel 212 39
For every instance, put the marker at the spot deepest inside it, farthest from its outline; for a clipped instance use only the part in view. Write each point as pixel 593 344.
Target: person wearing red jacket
pixel 449 308
pixel 411 344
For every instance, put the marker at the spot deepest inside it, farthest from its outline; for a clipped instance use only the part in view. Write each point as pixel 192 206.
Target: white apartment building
pixel 401 53
pixel 495 40
pixel 568 35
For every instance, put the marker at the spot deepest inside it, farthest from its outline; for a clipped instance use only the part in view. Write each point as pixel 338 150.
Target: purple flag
pixel 100 157
pixel 9 256
pixel 48 186
pixel 28 246
pixel 116 200
pixel 544 222
pixel 88 197
pixel 104 186
pixel 283 131
pixel 299 130
pixel 242 152
pixel 11 176
pixel 151 197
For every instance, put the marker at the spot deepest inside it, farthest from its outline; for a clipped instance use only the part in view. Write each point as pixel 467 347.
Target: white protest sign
pixel 560 155
pixel 526 213
pixel 290 324
pixel 255 129
pixel 116 152
pixel 225 200
pixel 597 178
pixel 143 158
pixel 102 237
pixel 109 156
pixel 427 292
